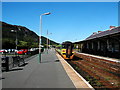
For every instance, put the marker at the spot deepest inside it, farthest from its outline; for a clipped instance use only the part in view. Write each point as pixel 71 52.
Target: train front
pixel 67 50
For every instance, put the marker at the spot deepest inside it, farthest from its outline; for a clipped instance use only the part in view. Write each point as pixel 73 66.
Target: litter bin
pixel 5 63
pixel 42 49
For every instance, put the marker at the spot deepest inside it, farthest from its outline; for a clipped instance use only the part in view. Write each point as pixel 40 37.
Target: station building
pixel 103 43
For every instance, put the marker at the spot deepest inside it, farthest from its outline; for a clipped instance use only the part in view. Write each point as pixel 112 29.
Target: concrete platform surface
pixel 48 74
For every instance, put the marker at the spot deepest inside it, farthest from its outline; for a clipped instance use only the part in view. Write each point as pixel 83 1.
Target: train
pixel 66 50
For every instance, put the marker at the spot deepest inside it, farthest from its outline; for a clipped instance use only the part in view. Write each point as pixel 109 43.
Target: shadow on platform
pixel 51 61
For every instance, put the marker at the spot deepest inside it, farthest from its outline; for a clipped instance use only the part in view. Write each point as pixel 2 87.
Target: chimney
pixel 99 31
pixel 111 27
pixel 94 33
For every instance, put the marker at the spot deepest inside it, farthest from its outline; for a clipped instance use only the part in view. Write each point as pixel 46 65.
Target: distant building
pixel 104 43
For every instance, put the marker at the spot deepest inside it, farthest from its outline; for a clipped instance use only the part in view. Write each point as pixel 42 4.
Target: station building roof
pixel 104 33
pixel 100 34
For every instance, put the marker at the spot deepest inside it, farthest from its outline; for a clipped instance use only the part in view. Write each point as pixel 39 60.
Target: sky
pixel 60 0
pixel 68 21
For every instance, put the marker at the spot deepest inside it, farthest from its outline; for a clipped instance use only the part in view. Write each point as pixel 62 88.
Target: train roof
pixel 67 42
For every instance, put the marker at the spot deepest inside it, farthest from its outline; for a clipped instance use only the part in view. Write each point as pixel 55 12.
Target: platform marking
pixel 101 57
pixel 78 80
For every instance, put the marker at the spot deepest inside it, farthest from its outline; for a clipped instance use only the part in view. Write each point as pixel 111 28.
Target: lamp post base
pixel 39 59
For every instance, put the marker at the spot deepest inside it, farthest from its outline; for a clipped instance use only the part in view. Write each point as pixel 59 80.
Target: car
pixel 3 51
pixel 32 49
pixel 20 52
pixel 15 50
pixel 25 50
pixel 9 50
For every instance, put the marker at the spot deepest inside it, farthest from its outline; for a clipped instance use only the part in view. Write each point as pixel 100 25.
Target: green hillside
pixel 26 38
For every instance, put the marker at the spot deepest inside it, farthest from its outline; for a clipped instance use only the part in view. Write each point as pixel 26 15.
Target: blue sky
pixel 73 21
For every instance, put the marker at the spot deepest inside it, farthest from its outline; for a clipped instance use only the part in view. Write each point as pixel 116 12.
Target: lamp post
pixel 47 40
pixel 16 36
pixel 40 37
pixel 16 41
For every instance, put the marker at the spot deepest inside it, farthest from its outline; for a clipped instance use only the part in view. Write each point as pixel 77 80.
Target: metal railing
pixel 9 61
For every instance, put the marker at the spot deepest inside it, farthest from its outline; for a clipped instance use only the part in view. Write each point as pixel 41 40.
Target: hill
pixel 25 37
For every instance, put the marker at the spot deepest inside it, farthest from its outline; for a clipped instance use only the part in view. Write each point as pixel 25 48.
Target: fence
pixel 9 61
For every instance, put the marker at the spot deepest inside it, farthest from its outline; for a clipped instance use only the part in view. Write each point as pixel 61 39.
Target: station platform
pixel 50 73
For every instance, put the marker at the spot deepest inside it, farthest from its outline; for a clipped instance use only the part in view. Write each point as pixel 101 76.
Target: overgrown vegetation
pixel 93 81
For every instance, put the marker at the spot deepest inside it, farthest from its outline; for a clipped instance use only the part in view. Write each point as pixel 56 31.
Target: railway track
pixel 99 73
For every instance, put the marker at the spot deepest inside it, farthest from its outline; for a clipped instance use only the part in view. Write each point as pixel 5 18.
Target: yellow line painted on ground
pixel 78 81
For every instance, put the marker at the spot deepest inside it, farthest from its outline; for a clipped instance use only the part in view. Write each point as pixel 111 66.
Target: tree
pixel 34 45
pixel 22 44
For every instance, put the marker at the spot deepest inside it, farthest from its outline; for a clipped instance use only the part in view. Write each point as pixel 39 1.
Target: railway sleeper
pixel 96 69
pixel 98 77
pixel 87 57
pixel 104 65
pixel 109 70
